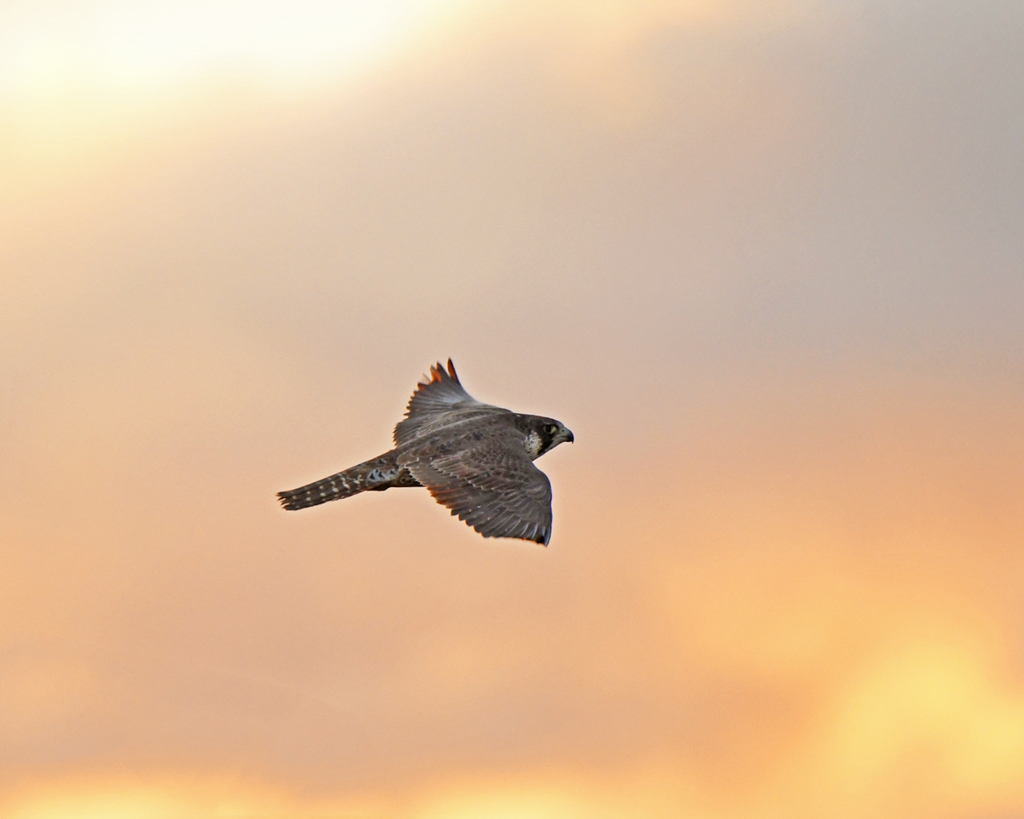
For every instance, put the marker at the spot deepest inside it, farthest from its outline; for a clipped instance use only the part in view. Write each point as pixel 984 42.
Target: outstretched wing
pixel 432 403
pixel 485 476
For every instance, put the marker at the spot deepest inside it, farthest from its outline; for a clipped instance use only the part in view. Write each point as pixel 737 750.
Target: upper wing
pixel 484 476
pixel 432 403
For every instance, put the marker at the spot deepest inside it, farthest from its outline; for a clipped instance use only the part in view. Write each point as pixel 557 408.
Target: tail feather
pixel 377 474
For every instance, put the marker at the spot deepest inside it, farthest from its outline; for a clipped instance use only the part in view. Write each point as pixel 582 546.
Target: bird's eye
pixel 550 429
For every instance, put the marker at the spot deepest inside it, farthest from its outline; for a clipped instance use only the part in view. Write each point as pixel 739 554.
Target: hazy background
pixel 766 261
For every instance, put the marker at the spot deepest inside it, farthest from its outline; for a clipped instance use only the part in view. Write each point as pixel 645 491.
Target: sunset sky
pixel 766 260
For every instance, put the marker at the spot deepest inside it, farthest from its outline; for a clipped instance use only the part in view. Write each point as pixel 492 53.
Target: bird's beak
pixel 570 439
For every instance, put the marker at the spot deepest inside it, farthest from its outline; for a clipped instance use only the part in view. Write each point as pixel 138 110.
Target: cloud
pixel 762 267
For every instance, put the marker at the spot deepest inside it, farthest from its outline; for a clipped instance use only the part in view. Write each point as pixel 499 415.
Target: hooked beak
pixel 570 439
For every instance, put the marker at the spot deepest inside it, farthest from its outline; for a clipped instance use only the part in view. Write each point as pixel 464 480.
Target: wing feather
pixel 485 477
pixel 439 397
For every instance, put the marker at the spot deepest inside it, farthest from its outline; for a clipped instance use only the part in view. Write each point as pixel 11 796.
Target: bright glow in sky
pixel 129 47
pixel 79 78
pixel 60 53
pixel 83 82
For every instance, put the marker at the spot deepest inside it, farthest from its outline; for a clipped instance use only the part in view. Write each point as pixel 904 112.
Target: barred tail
pixel 377 474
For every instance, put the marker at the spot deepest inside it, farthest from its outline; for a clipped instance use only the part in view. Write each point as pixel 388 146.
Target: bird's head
pixel 544 434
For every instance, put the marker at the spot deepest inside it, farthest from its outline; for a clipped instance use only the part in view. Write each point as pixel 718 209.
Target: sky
pixel 765 260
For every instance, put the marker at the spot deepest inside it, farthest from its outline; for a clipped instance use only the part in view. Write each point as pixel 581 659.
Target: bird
pixel 474 458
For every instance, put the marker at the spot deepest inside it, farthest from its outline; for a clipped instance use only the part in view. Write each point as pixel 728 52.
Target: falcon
pixel 474 458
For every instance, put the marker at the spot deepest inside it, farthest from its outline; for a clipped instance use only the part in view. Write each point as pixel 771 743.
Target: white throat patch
pixel 533 445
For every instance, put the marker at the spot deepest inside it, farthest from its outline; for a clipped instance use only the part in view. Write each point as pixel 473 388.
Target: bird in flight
pixel 474 458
